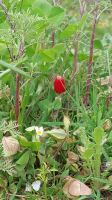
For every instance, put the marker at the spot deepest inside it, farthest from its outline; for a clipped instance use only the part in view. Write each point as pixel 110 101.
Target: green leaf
pixel 23 160
pixel 41 8
pixel 69 31
pixel 23 141
pixel 26 4
pixel 56 16
pixel 98 135
pixel 45 105
pixel 83 56
pixel 98 44
pixel 14 68
pixel 57 104
pixel 35 146
pixel 2 74
pixel 57 133
pixel 82 21
pixel 51 54
pixel 89 152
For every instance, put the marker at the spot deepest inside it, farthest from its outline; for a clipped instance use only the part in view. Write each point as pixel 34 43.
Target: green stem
pixel 45 190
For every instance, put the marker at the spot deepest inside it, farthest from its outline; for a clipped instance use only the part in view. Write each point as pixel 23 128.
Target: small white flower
pixel 32 128
pixel 28 188
pixel 39 130
pixel 36 185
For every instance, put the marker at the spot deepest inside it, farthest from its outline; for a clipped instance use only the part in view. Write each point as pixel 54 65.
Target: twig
pixel 17 195
pixel 17 103
pixel 82 7
pixel 53 38
pixel 11 26
pixel 88 83
pixel 17 98
pixel 7 15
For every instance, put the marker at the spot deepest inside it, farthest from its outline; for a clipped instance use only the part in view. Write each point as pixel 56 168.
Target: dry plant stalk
pixel 88 83
pixel 13 58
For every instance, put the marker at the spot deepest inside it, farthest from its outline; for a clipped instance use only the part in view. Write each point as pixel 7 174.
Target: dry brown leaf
pixel 66 121
pixel 7 92
pixel 66 188
pixel 10 146
pixel 106 187
pixel 72 157
pixel 107 125
pixel 81 149
pixel 70 140
pixel 105 81
pixel 77 188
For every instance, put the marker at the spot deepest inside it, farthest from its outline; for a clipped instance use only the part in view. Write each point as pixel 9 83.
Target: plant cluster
pixel 55 100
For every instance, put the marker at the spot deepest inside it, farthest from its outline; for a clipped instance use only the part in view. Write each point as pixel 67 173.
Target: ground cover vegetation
pixel 55 99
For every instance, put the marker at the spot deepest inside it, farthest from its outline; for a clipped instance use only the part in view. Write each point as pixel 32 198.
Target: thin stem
pixel 88 83
pixel 53 38
pixel 75 62
pixel 17 97
pixel 20 54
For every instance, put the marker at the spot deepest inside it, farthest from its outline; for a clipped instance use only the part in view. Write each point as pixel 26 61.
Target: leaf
pixel 107 125
pixel 57 133
pixel 51 54
pixel 23 141
pixel 69 31
pixel 26 4
pixel 35 146
pixel 77 188
pixel 98 135
pixel 23 160
pixel 57 104
pixel 2 74
pixel 72 157
pixel 41 8
pixel 14 68
pixel 66 121
pixel 10 146
pixel 98 44
pixel 45 105
pixel 56 16
pixel 82 21
pixel 89 152
pixel 82 56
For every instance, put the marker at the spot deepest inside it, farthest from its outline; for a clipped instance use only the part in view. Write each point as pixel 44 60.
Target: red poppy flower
pixel 59 84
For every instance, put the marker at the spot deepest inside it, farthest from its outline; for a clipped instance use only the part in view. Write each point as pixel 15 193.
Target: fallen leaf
pixel 81 149
pixel 10 146
pixel 72 157
pixel 66 188
pixel 77 188
pixel 66 121
pixel 107 125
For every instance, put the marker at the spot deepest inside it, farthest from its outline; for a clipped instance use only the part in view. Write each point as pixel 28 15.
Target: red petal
pixel 59 84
